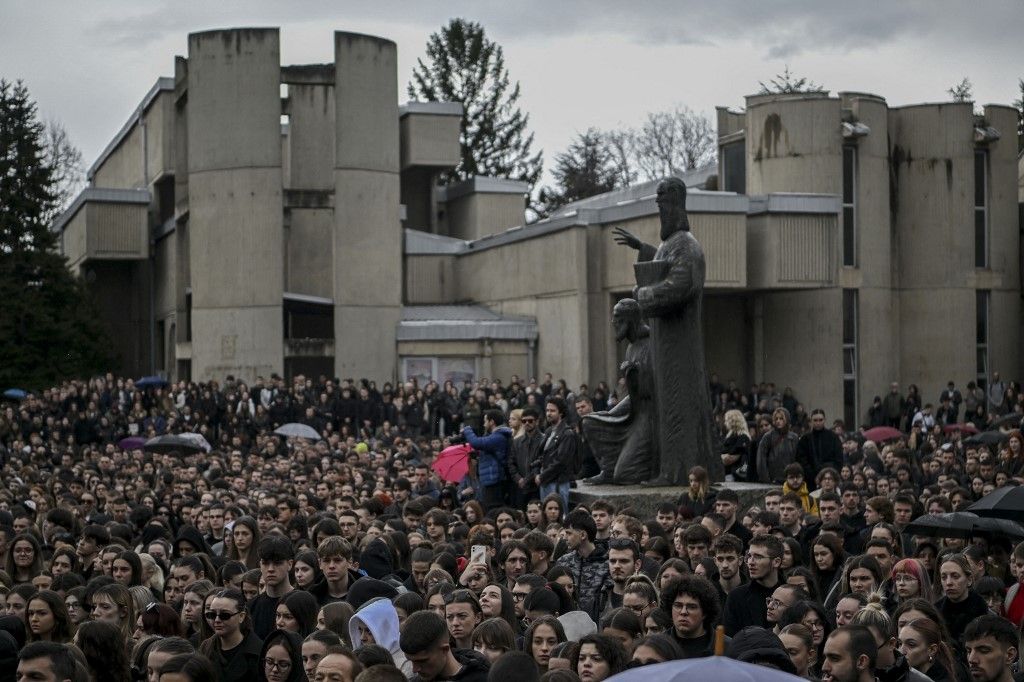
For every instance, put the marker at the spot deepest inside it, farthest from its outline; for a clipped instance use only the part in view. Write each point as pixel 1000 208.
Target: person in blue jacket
pixel 492 452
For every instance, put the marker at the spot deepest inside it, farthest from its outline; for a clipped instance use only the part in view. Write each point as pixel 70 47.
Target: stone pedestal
pixel 645 500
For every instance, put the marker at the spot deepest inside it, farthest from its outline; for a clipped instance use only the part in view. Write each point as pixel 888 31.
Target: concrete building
pixel 254 218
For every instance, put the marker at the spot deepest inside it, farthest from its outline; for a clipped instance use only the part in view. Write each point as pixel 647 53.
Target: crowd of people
pixel 350 558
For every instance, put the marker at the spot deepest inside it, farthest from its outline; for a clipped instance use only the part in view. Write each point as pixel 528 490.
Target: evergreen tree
pixel 464 66
pixel 962 91
pixel 583 170
pixel 787 82
pixel 48 325
pixel 1019 103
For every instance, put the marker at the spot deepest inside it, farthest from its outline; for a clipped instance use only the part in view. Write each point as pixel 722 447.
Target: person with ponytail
pixel 890 664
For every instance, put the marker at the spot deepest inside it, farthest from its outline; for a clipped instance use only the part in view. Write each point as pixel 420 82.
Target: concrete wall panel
pixel 243 341
pixel 309 252
pixel 937 338
pixel 793 144
pixel 801 345
pixel 123 168
pixel 234 99
pixel 311 136
pixel 430 280
pixel 541 266
pixel 430 140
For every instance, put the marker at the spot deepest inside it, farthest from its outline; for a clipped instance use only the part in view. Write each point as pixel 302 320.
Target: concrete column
pixel 367 242
pixel 235 204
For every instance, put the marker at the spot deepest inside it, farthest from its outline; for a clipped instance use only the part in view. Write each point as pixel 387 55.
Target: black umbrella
pixel 1002 503
pixel 963 524
pixel 986 438
pixel 1011 420
pixel 188 443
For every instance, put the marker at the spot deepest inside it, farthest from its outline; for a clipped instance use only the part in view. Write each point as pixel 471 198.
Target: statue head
pixel 627 321
pixel 672 207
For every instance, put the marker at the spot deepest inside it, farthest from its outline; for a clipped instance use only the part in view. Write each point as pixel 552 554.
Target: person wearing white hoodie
pixel 376 622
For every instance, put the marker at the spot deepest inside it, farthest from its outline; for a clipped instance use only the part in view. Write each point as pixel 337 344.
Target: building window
pixel 850 358
pixel 981 208
pixel 850 205
pixel 982 303
pixel 734 167
pixel 440 369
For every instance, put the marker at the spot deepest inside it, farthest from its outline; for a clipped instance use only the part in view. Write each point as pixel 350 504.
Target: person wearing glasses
pixel 693 604
pixel 748 603
pixel 524 450
pixel 281 658
pixel 234 649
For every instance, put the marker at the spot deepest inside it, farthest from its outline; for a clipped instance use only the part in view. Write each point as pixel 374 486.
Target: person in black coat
pixel 819 448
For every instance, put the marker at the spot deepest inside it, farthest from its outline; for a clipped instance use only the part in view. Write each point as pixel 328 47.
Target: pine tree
pixel 583 170
pixel 464 66
pixel 48 324
pixel 787 82
pixel 962 91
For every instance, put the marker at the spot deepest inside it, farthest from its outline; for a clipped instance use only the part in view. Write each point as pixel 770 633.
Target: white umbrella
pixel 710 668
pixel 296 430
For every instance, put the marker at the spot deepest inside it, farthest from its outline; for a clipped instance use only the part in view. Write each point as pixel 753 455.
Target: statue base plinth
pixel 645 500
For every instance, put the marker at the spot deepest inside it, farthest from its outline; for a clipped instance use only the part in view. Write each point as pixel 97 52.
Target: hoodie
pixel 8 657
pixel 376 560
pixel 809 503
pixel 381 619
pixel 492 452
pixel 192 536
pixel 474 667
pixel 758 645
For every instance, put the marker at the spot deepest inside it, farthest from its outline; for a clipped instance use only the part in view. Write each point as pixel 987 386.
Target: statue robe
pixel 670 286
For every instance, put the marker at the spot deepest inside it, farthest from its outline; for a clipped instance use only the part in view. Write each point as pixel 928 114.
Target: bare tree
pixel 668 143
pixel 66 161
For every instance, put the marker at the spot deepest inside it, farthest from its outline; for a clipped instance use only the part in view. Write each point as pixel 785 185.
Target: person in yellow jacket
pixel 795 484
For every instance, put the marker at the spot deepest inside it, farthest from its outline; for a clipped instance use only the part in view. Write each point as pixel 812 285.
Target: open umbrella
pixel 146 382
pixel 132 443
pixel 964 524
pixel 296 430
pixel 1006 502
pixel 452 464
pixel 15 394
pixel 962 428
pixel 880 434
pixel 986 438
pixel 1010 421
pixel 186 442
pixel 709 668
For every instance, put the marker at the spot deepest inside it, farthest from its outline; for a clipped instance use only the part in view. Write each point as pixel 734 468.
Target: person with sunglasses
pixel 234 649
pixel 524 450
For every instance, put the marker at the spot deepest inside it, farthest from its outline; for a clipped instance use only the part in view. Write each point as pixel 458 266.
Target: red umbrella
pixel 963 428
pixel 882 433
pixel 452 464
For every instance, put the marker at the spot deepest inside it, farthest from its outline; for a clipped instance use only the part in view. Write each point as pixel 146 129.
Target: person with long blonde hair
pixel 735 446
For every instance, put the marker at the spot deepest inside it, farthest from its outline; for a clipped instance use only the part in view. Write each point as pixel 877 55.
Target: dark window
pixel 734 167
pixel 165 199
pixel 850 358
pixel 188 316
pixel 305 320
pixel 982 302
pixel 850 404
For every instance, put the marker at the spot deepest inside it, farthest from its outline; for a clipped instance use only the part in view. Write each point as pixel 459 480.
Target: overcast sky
pixel 580 64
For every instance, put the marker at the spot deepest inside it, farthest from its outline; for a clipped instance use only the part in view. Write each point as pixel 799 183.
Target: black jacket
pixel 474 668
pixel 525 449
pixel 817 450
pixel 747 605
pixel 244 666
pixel 557 455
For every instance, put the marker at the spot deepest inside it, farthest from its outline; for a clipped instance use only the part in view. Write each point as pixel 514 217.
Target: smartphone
pixel 478 554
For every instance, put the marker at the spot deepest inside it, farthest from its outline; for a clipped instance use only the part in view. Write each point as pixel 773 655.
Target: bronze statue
pixel 623 438
pixel 670 286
